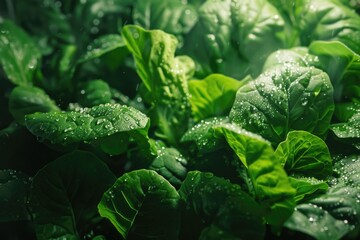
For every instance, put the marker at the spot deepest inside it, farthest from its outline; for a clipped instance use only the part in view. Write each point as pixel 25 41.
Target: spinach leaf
pixel 349 130
pixel 284 99
pixel 142 205
pixel 223 206
pixel 213 96
pixel 25 100
pixel 272 187
pixel 19 56
pixel 96 124
pixel 246 32
pixel 327 20
pixel 65 193
pixel 334 214
pixel 307 188
pixel 93 93
pixel 103 45
pixel 164 79
pixel 340 63
pixel 171 16
pixel 170 164
pixel 296 56
pixel 304 154
pixel 203 135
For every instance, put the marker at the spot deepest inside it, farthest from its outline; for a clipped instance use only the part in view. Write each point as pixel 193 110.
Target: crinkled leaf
pixel 142 205
pixel 336 213
pixel 307 187
pixel 233 37
pixel 271 184
pixel 90 124
pixel 285 99
pixel 65 194
pixel 93 93
pixel 165 80
pixel 305 154
pixel 172 16
pixel 19 56
pixel 14 190
pixel 202 134
pixel 25 100
pixel 223 206
pixel 327 20
pixel 170 164
pixel 213 96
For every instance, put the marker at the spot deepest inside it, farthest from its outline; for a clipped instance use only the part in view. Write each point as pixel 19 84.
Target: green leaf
pixel 335 214
pixel 65 194
pixel 223 206
pixel 171 16
pixel 165 80
pixel 142 205
pixel 349 130
pixel 170 164
pixel 339 62
pixel 103 45
pixel 327 20
pixel 212 96
pixel 284 99
pixel 19 56
pixel 272 187
pixel 202 134
pixel 307 187
pixel 93 93
pixel 305 154
pixel 233 37
pixel 14 190
pixel 298 56
pixel 26 100
pixel 94 124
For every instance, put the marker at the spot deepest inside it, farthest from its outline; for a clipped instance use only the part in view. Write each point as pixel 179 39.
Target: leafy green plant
pixel 169 119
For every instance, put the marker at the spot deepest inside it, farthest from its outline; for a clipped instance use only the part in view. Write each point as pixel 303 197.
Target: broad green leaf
pixel 26 100
pixel 298 56
pixel 349 130
pixel 304 154
pixel 165 81
pixel 339 62
pixel 170 164
pixel 94 124
pixel 14 190
pixel 19 56
pixel 233 37
pixel 171 16
pixel 65 194
pixel 142 205
pixel 212 96
pixel 334 214
pixel 202 134
pixel 223 206
pixel 327 20
pixel 307 188
pixel 284 99
pixel 93 93
pixel 103 45
pixel 272 187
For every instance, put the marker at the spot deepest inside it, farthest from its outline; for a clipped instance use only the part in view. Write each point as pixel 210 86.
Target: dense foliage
pixel 180 119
